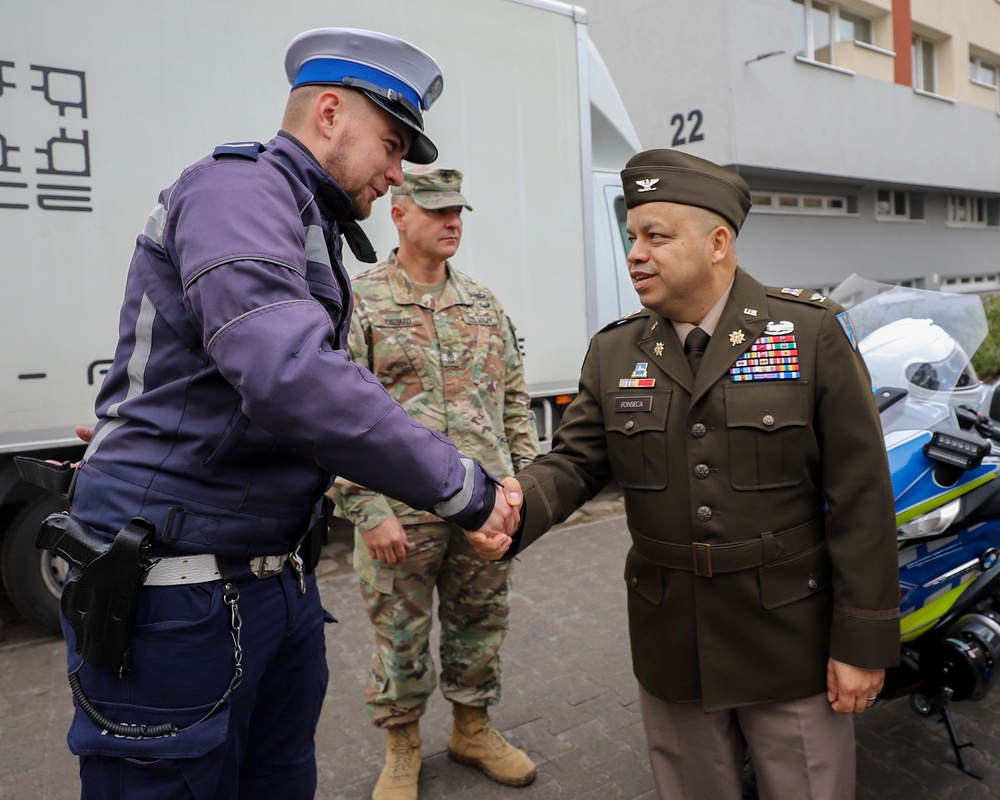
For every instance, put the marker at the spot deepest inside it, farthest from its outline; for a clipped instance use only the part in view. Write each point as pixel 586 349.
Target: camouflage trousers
pixel 472 610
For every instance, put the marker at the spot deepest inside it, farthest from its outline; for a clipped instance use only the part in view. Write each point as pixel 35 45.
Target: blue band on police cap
pixel 334 70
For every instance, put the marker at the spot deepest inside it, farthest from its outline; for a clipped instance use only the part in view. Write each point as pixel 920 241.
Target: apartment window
pixel 854 28
pixel 982 71
pixel 971 283
pixel 972 211
pixel 893 205
pixel 819 25
pixel 964 209
pixel 793 203
pixel 924 68
pixel 812 29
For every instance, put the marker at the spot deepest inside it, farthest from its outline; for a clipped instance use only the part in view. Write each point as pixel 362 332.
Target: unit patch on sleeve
pixel 844 318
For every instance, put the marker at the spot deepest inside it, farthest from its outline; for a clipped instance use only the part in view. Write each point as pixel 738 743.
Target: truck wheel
pixel 33 578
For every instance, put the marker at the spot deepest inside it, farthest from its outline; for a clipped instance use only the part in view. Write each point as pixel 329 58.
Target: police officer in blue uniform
pixel 230 405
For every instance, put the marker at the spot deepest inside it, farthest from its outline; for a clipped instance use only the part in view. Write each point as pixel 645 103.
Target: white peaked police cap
pixel 399 77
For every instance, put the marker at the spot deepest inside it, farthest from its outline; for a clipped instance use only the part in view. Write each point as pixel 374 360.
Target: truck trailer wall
pixel 103 103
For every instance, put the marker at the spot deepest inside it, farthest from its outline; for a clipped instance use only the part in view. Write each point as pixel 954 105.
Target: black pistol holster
pixel 311 546
pixel 102 586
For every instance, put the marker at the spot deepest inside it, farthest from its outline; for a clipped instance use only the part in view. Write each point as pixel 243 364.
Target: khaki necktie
pixel 694 347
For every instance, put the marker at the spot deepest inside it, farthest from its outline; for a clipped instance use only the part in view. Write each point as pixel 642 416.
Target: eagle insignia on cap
pixel 647 184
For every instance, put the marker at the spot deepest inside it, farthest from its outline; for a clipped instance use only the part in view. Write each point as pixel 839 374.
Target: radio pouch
pixel 102 586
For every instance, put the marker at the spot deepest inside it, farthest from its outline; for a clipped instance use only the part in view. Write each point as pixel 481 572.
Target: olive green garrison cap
pixel 670 176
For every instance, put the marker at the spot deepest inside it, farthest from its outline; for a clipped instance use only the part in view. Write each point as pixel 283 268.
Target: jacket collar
pixel 333 202
pixel 402 288
pixel 742 322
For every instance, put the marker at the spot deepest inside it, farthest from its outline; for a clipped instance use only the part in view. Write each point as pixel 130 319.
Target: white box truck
pixel 103 103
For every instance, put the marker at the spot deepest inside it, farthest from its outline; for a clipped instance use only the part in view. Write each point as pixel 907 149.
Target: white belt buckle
pixel 267 566
pixel 181 570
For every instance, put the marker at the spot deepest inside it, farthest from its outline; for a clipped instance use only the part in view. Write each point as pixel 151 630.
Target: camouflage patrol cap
pixel 670 176
pixel 433 188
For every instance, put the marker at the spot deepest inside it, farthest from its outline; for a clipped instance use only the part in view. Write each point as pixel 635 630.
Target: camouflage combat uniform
pixel 454 365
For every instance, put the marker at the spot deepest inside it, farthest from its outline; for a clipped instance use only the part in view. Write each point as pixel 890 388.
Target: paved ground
pixel 569 697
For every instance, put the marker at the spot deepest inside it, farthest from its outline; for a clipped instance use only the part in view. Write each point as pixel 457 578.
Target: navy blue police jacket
pixel 231 402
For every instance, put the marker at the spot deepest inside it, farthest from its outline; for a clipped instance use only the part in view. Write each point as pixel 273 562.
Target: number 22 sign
pixel 696 118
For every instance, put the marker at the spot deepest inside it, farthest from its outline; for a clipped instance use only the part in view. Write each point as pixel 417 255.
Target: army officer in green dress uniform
pixel 739 421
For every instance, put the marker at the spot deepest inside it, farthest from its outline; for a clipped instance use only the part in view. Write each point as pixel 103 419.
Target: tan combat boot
pixel 398 780
pixel 474 741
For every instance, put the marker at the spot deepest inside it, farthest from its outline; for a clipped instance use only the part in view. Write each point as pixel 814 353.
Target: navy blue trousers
pixel 259 744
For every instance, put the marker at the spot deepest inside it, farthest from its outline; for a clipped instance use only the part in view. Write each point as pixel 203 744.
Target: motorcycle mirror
pixel 888 396
pixel 995 405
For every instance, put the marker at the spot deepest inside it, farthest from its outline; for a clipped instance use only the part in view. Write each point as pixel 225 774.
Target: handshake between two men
pixel 494 539
pixel 491 541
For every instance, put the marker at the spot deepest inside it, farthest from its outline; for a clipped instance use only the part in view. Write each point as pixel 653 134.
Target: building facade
pixel 868 130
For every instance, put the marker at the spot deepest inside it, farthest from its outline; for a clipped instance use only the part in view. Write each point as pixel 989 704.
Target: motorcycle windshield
pixel 908 420
pixel 916 340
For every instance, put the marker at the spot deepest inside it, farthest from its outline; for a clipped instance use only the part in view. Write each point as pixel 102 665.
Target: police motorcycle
pixel 942 436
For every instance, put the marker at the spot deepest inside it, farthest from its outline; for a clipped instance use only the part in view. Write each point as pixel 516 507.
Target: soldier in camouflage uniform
pixel 443 348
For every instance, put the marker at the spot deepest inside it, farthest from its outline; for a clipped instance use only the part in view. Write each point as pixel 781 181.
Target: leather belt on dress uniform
pixel 706 560
pixel 204 568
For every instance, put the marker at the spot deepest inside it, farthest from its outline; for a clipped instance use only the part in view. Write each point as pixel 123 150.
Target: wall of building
pixel 720 79
pixel 819 251
pixel 668 60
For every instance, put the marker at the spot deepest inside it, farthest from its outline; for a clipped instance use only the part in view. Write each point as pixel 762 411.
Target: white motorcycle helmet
pixel 919 356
